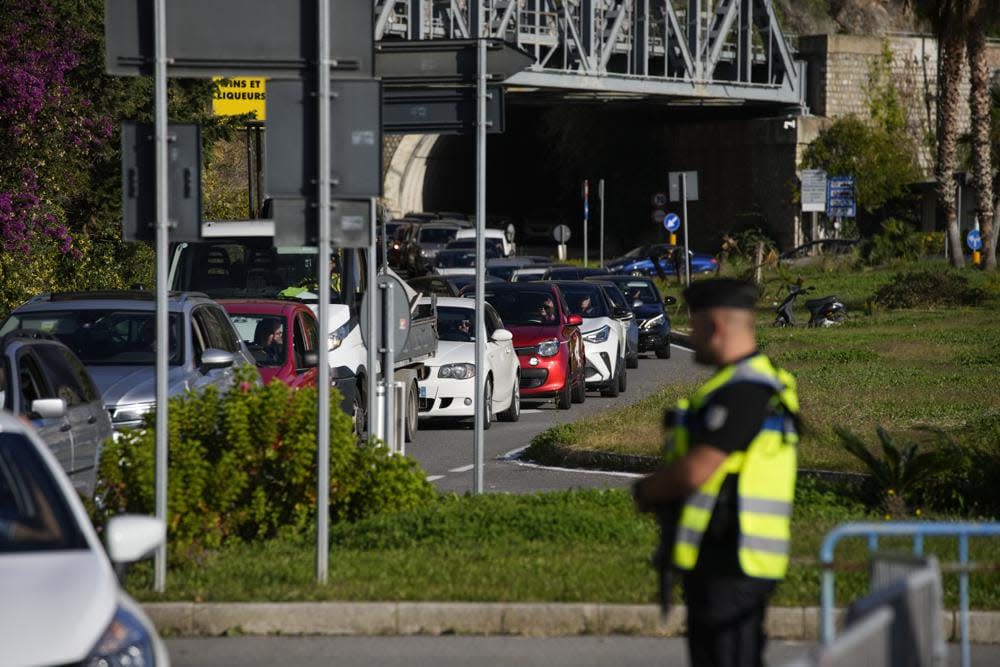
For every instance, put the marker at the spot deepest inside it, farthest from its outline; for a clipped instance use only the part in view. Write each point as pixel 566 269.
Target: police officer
pixel 731 464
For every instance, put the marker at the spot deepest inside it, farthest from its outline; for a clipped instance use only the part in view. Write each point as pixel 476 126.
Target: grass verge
pixel 897 369
pixel 575 546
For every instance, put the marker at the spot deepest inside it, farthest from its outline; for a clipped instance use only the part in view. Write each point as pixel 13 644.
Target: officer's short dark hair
pixel 721 293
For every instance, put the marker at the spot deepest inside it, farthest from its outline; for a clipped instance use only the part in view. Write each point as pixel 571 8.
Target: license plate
pixel 423 392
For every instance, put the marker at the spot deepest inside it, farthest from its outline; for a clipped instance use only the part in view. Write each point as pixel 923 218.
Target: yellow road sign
pixel 239 95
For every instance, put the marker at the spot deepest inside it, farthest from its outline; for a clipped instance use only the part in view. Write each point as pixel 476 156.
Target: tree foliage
pixel 60 118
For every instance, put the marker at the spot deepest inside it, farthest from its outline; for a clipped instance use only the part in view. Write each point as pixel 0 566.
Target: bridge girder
pixel 729 51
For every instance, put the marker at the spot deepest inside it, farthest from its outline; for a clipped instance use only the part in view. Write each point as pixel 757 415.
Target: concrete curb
pixel 190 619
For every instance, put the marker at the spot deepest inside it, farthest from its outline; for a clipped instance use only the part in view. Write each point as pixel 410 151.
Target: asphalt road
pixel 445 450
pixel 449 651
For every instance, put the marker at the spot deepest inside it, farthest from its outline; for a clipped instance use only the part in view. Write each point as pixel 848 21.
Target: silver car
pixel 43 382
pixel 113 334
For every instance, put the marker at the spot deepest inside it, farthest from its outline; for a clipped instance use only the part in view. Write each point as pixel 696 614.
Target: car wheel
pixel 623 379
pixel 580 391
pixel 513 412
pixel 488 404
pixel 663 352
pixel 633 361
pixel 412 420
pixel 610 390
pixel 565 398
pixel 359 416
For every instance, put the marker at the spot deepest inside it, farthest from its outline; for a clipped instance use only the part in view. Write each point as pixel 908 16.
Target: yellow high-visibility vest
pixel 767 471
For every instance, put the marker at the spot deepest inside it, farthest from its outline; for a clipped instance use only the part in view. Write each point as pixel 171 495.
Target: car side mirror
pixel 48 408
pixel 132 537
pixel 502 335
pixel 669 300
pixel 574 320
pixel 213 358
pixel 310 360
pixel 622 314
pixel 637 304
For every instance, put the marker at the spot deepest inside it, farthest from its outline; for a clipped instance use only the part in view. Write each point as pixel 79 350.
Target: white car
pixel 61 602
pixel 604 336
pixel 493 236
pixel 449 388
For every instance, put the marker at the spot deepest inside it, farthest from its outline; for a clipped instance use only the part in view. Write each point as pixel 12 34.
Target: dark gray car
pixel 42 381
pixel 113 334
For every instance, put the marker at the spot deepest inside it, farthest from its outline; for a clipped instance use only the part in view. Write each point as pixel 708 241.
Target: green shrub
pixel 242 465
pixel 970 468
pixel 928 288
pixel 897 241
pixel 897 473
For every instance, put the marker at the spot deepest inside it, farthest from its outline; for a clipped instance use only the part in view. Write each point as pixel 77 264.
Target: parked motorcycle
pixel 823 312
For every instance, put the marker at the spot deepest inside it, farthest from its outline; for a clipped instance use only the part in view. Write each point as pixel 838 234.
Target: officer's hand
pixel 638 497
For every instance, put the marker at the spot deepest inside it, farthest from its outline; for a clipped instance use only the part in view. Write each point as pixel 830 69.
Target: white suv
pixel 604 336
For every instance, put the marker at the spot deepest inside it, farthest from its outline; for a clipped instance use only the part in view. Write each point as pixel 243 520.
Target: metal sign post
pixel 323 269
pixel 687 257
pixel 162 295
pixel 600 193
pixel 480 411
pixel 586 217
pixel 388 362
pixel 371 361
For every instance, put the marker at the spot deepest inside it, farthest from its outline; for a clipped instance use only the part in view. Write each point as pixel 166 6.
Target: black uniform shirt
pixel 728 421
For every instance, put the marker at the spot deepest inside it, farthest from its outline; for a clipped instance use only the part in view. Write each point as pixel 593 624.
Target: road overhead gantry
pixel 722 52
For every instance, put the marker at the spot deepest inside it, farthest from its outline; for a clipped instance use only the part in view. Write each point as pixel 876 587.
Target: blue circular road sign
pixel 974 240
pixel 672 222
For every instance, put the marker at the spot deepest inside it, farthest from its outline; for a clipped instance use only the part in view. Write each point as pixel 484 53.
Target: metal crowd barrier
pixel 867 643
pixel 918 530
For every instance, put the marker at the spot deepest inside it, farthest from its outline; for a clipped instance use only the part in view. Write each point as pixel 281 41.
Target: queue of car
pixel 572 329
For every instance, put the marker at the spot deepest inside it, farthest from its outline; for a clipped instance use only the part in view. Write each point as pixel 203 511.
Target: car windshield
pixel 517 307
pixel 491 245
pixel 584 300
pixel 264 335
pixel 461 259
pixel 456 324
pixel 234 270
pixel 437 234
pixel 526 275
pixel 31 503
pixel 104 337
pixel 638 290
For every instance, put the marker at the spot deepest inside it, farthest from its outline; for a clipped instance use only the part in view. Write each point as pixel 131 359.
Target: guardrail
pixel 918 530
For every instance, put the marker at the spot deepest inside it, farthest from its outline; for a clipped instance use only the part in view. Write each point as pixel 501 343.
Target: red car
pixel 546 337
pixel 264 325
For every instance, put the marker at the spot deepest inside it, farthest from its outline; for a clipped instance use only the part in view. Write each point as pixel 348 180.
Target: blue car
pixel 648 307
pixel 639 261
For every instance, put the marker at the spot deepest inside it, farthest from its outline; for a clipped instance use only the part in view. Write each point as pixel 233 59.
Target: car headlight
pixel 337 337
pixel 125 643
pixel 131 412
pixel 548 348
pixel 653 322
pixel 457 371
pixel 597 335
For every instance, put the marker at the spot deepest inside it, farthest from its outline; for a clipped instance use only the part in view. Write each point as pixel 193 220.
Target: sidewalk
pixel 187 619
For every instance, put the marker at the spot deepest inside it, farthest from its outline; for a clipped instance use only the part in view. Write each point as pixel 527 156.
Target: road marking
pixel 462 469
pixel 613 473
pixel 531 411
pixel 434 478
pixel 513 456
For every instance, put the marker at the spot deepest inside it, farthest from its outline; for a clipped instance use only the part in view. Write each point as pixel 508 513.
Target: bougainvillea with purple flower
pixel 47 129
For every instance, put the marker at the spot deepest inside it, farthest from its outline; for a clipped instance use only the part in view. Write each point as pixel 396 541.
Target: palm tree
pixel 983 15
pixel 948 20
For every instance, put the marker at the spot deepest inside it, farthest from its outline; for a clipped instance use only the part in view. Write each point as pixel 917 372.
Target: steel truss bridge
pixel 703 52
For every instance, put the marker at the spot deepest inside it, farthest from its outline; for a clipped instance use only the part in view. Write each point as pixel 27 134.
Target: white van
pixel 508 247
